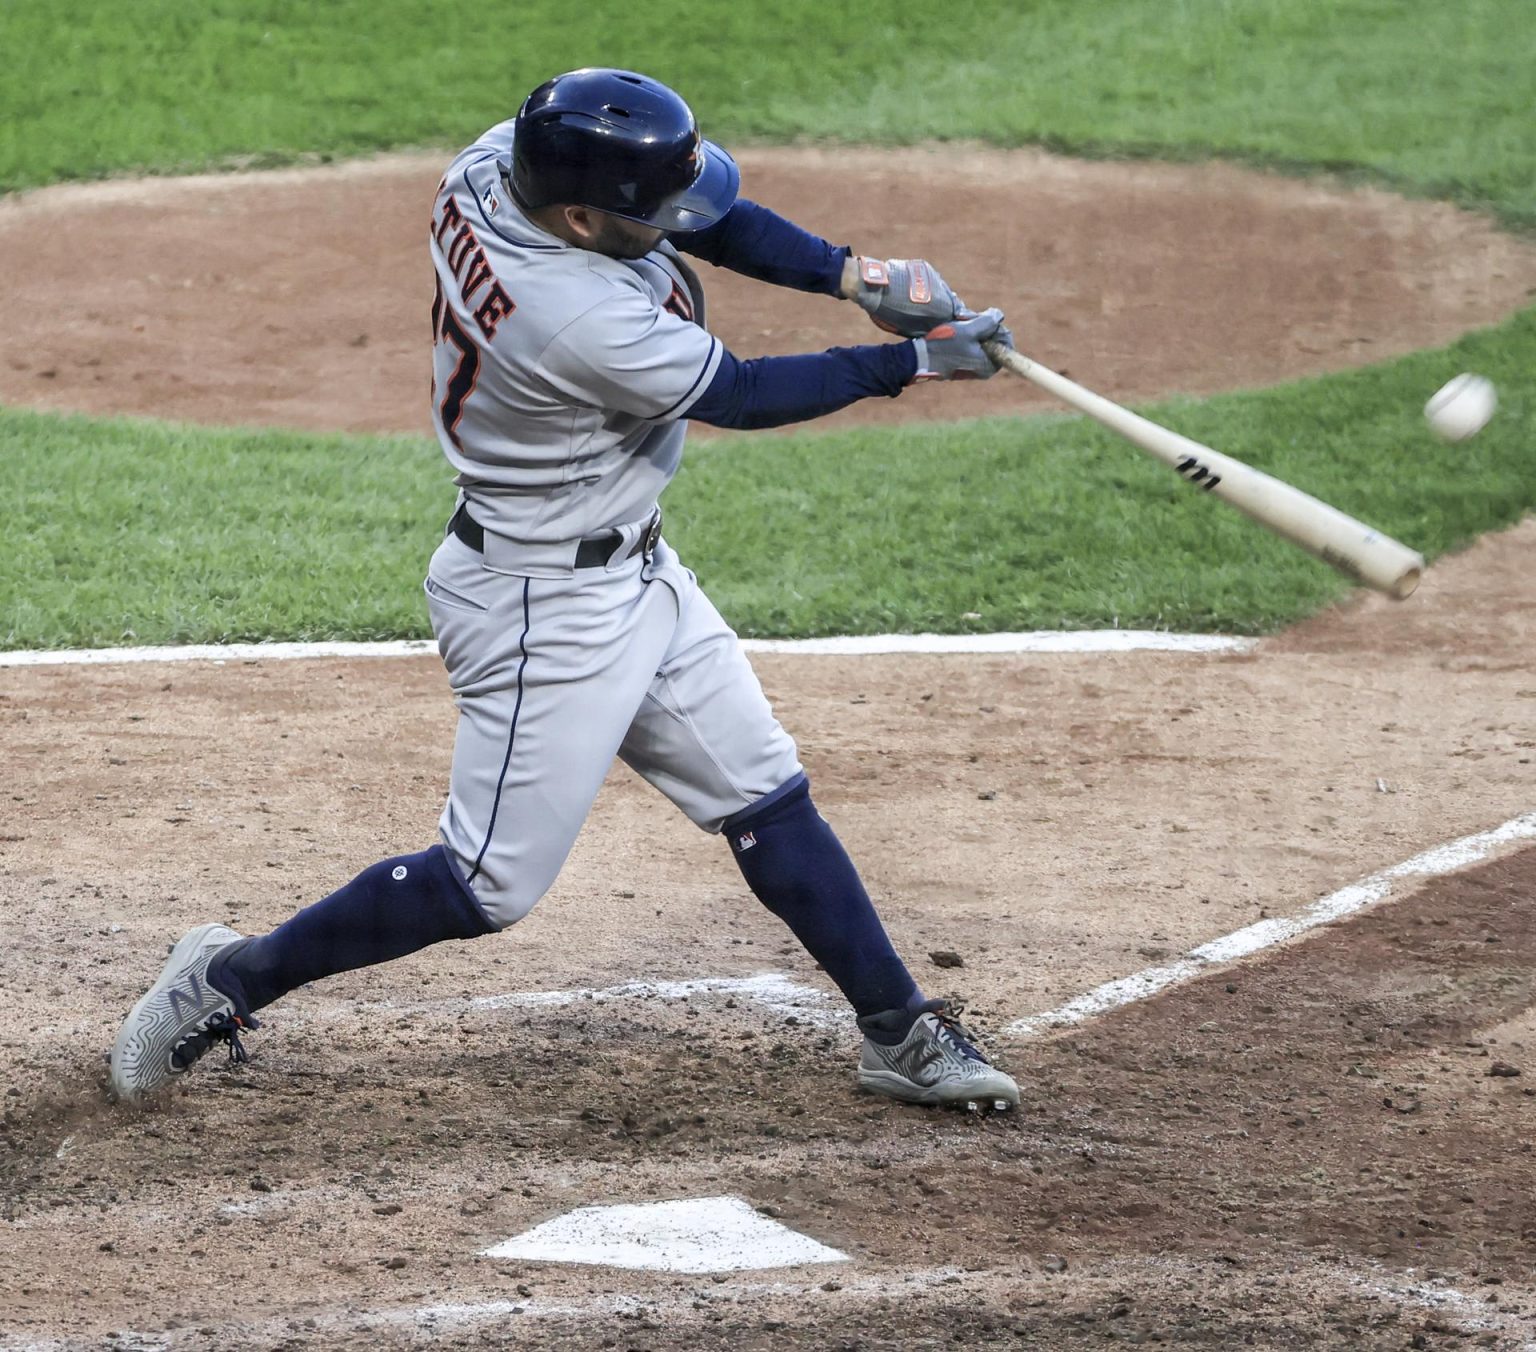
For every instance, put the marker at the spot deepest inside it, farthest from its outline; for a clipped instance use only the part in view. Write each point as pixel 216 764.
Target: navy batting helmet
pixel 621 143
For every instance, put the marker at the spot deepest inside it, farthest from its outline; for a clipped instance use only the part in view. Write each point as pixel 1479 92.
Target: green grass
pixel 1436 97
pixel 135 531
pixel 138 532
pixel 146 532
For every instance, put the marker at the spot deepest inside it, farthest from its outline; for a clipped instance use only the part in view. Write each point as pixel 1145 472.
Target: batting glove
pixel 954 351
pixel 905 295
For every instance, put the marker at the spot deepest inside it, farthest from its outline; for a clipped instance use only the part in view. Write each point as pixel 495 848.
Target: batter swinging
pixel 569 348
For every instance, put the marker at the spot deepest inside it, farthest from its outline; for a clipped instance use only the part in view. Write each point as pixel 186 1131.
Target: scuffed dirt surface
pixel 1306 1150
pixel 299 298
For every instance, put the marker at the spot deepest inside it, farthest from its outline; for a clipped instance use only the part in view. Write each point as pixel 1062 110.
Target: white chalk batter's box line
pixel 1243 943
pixel 856 645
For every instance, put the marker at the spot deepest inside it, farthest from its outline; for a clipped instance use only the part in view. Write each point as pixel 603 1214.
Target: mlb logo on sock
pixel 745 841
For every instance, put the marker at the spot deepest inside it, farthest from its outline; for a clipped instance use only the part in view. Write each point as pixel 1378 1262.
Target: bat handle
pixel 1006 358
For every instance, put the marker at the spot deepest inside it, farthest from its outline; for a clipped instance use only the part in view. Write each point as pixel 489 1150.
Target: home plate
pixel 696 1234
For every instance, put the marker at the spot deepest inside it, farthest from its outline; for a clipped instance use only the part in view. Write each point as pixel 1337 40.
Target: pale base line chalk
pixel 691 1234
pixel 774 991
pixel 1044 641
pixel 1142 985
pixel 679 1304
pixel 1435 1293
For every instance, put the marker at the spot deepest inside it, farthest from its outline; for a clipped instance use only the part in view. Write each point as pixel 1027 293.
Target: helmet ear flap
pixel 516 183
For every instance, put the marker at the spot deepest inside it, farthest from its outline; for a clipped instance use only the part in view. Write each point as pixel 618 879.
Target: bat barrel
pixel 1354 548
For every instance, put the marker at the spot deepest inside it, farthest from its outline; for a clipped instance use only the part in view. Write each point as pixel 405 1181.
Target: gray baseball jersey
pixel 560 381
pixel 560 375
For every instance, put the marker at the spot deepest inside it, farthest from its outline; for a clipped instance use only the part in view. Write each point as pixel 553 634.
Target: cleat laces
pixel 223 1028
pixel 952 1032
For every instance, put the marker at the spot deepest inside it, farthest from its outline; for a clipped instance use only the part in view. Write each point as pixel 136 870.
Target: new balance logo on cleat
pixel 188 999
pixel 935 1062
pixel 179 1018
pixel 917 1062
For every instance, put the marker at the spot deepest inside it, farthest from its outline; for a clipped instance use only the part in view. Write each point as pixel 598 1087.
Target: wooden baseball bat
pixel 1351 546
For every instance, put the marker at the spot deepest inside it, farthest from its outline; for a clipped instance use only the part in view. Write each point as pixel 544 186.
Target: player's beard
pixel 618 238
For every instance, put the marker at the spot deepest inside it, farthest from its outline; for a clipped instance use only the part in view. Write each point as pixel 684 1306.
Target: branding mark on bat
pixel 1197 473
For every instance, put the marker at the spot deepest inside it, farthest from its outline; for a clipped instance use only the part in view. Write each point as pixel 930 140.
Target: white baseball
pixel 1461 407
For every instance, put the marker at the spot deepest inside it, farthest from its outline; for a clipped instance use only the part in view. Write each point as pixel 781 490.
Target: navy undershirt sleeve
pixel 772 391
pixel 759 243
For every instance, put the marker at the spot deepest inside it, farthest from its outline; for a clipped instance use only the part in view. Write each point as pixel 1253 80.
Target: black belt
pixel 596 551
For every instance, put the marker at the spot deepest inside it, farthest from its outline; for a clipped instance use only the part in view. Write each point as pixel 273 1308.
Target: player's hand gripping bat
pixel 1352 547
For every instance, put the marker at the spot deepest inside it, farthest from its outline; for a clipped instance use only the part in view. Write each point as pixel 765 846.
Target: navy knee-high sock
pixel 799 870
pixel 387 911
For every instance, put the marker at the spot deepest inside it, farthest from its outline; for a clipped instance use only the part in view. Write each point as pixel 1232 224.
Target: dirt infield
pixel 1328 1145
pixel 301 298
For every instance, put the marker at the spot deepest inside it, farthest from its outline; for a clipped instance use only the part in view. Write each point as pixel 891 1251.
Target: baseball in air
pixel 1461 407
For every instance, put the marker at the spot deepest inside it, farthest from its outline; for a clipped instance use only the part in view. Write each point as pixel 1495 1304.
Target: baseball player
pixel 570 347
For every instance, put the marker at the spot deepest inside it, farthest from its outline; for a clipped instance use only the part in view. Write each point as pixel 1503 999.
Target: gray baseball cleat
pixel 935 1062
pixel 180 1017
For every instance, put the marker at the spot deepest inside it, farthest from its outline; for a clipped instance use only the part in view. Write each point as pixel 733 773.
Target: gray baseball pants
pixel 558 669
